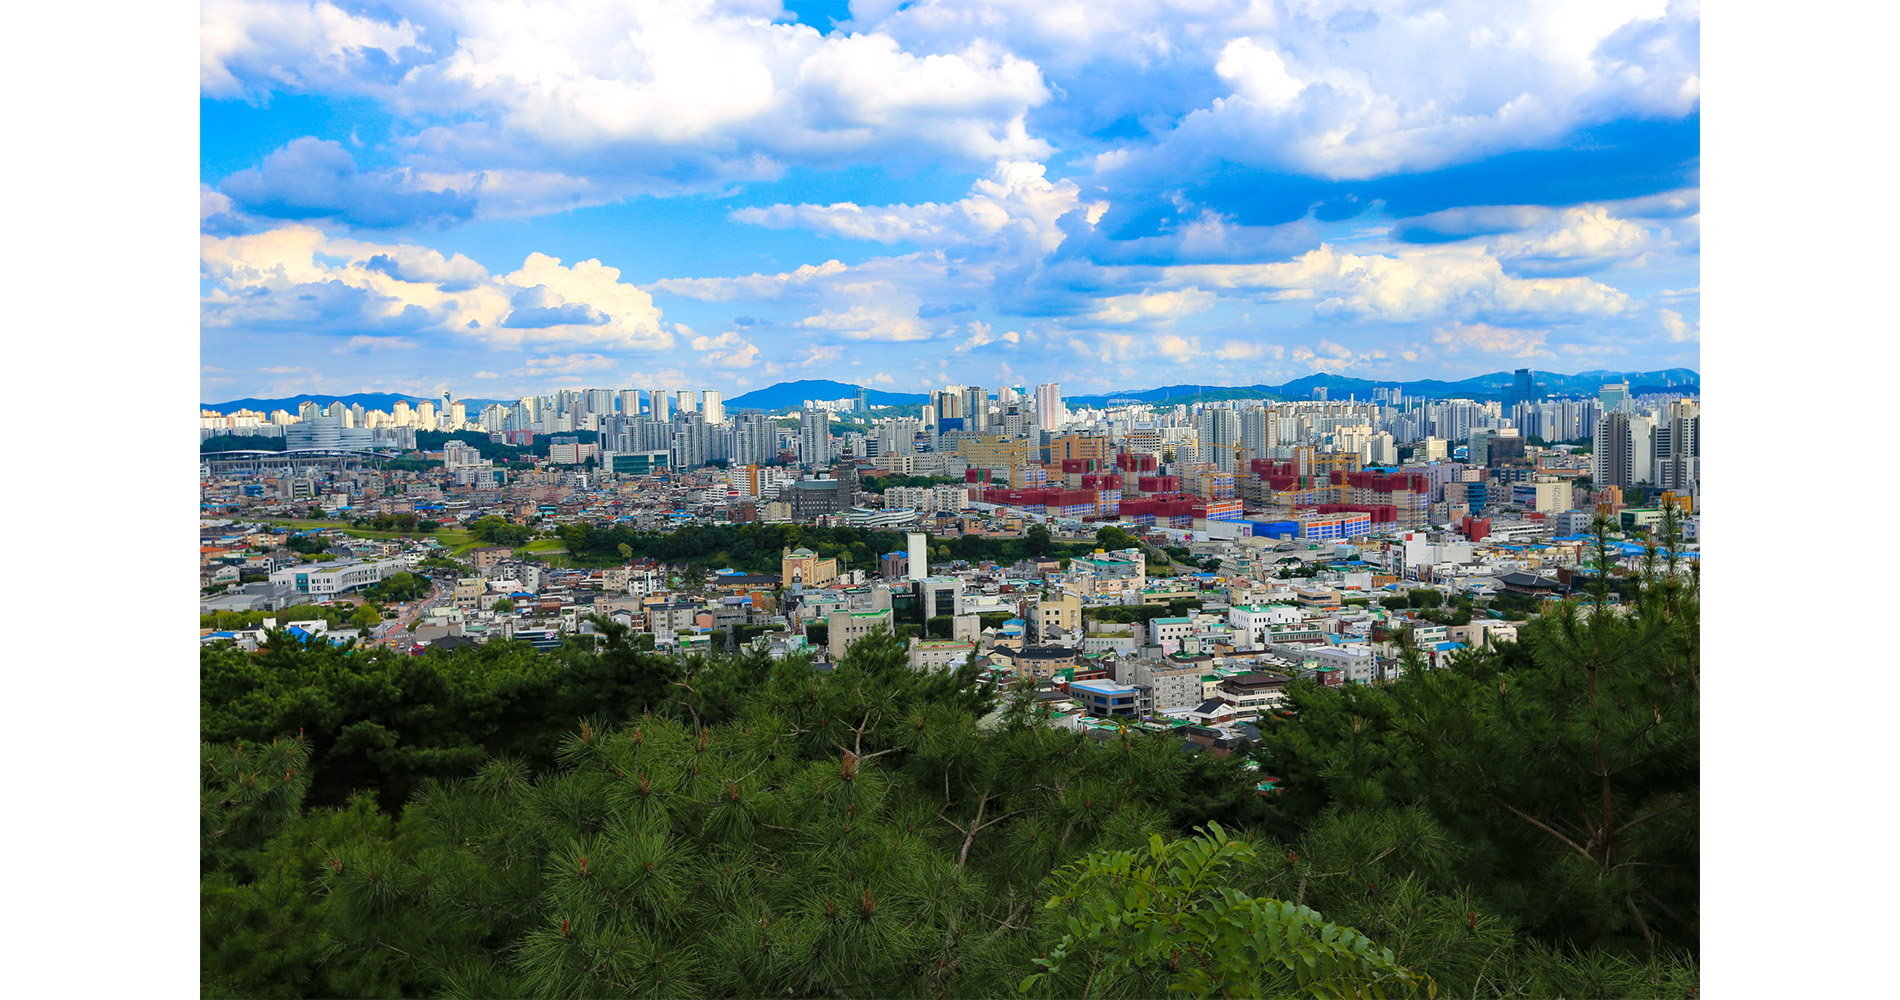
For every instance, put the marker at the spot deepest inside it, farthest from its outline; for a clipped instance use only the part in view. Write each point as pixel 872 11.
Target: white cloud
pixel 1015 207
pixel 564 364
pixel 1577 241
pixel 1677 328
pixel 870 322
pixel 752 287
pixel 1457 338
pixel 728 350
pixel 1151 307
pixel 982 335
pixel 619 99
pixel 1385 87
pixel 1442 282
pixel 1249 350
pixel 364 343
pixel 1258 74
pixel 251 47
pixel 295 278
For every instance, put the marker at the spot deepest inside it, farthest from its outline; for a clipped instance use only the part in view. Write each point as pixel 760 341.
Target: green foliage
pixel 878 484
pixel 607 821
pixel 307 544
pixel 1425 597
pixel 496 530
pixel 399 588
pixel 1036 540
pixel 1115 539
pixel 1161 915
pixel 1566 765
pixel 1123 614
pixel 232 621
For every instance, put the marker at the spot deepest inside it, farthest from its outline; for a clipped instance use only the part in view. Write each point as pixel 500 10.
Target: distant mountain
pixel 369 400
pixel 784 394
pixel 1489 386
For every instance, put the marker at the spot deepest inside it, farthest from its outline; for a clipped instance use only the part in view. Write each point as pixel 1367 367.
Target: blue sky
pixel 501 197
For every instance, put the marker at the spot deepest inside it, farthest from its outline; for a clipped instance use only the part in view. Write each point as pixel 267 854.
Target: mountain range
pixel 786 395
pixel 1488 386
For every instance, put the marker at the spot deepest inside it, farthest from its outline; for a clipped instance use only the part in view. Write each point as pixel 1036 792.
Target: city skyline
pixel 404 198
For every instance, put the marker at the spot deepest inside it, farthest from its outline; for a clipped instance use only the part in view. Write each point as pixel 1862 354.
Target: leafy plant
pixel 1132 914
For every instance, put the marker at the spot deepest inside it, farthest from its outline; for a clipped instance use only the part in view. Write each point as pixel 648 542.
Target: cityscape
pixel 936 499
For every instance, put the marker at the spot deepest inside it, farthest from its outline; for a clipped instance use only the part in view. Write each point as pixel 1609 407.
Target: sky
pixel 497 197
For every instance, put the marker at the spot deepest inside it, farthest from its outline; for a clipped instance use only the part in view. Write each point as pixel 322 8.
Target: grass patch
pixel 459 541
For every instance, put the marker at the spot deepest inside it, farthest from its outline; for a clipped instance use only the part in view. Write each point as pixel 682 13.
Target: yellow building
pixel 1002 455
pixel 802 566
pixel 1081 446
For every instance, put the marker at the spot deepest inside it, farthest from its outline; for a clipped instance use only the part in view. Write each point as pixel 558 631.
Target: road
pixel 396 633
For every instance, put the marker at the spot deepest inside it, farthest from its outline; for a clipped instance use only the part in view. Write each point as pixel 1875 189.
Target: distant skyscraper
pixel 976 410
pixel 1049 406
pixel 1613 395
pixel 1523 390
pixel 659 405
pixel 862 404
pixel 814 437
pixel 1219 430
pixel 713 406
pixel 629 400
pixel 686 401
pixel 754 439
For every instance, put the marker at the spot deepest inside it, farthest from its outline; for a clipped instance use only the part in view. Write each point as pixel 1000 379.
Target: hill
pixel 1488 386
pixel 784 394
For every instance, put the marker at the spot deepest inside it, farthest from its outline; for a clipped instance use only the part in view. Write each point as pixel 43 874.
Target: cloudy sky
pixel 501 197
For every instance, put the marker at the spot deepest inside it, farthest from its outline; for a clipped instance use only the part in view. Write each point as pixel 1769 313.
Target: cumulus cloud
pixel 564 364
pixel 248 48
pixel 1151 308
pixel 1677 328
pixel 752 287
pixel 728 350
pixel 1579 240
pixel 1410 88
pixel 1483 338
pixel 870 322
pixel 317 179
pixel 1016 207
pixel 297 279
pixel 1445 282
pixel 623 99
pixel 1249 350
pixel 363 344
pixel 983 335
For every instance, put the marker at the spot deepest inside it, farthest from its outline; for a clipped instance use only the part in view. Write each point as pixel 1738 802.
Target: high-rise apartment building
pixel 659 405
pixel 713 406
pixel 1621 450
pixel 1219 431
pixel 814 437
pixel 754 439
pixel 976 410
pixel 1049 406
pixel 1258 432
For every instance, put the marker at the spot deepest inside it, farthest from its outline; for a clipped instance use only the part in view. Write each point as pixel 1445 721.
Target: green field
pixel 457 542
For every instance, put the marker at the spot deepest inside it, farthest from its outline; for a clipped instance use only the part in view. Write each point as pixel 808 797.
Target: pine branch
pixel 1528 819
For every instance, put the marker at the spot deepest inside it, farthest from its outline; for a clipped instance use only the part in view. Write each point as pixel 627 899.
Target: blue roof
pixel 1447 646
